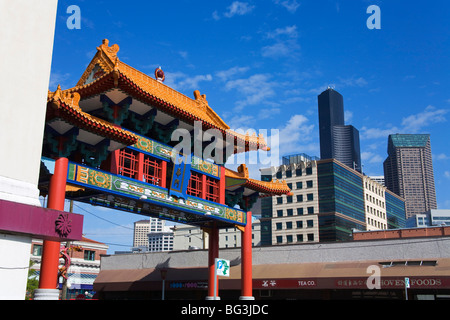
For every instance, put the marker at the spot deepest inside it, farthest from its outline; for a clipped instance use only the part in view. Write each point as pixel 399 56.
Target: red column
pixel 246 265
pixel 140 167
pixel 222 185
pixel 163 174
pixel 48 278
pixel 213 253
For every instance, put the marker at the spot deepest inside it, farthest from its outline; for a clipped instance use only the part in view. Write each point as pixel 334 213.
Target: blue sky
pixel 263 63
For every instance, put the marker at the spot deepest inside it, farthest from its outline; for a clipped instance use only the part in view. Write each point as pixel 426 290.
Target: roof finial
pixel 159 74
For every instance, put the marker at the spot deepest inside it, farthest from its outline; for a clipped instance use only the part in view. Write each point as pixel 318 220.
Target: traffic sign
pixel 222 267
pixel 407 285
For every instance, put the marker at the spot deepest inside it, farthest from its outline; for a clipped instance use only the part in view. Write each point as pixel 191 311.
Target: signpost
pixel 407 285
pixel 222 268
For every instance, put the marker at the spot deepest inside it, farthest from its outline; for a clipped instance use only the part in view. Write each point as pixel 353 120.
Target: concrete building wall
pixel 26 43
pixel 382 250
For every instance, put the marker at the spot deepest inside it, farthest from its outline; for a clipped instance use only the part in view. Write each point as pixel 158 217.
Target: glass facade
pixel 337 140
pixel 341 201
pixel 395 211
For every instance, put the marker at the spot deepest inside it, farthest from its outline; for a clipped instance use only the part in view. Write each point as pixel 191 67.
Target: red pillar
pixel 222 185
pixel 163 174
pixel 48 278
pixel 213 253
pixel 246 265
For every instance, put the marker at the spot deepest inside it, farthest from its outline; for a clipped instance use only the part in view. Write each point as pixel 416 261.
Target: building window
pixel 310 210
pixel 299 224
pixel 309 184
pixel 300 211
pixel 299 185
pixel 279 239
pixel 128 163
pixel 37 250
pixel 195 185
pixel 290 212
pixel 279 200
pixel 310 196
pixel 298 172
pixel 299 198
pixel 289 199
pixel 279 226
pixel 310 236
pixel 212 189
pixel 279 175
pixel 309 223
pixel 288 173
pixel 308 171
pixel 299 238
pixel 279 213
pixel 289 238
pixel 89 255
pixel 152 170
pixel 288 225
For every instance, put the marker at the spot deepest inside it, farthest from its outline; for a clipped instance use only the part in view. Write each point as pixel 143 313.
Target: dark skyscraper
pixel 408 171
pixel 337 140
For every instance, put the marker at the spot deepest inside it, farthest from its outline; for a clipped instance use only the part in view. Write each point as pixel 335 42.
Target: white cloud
pixel 180 80
pixel 290 5
pixel 57 78
pixel 255 89
pixel 238 8
pixel 371 157
pixel 414 123
pixel 295 137
pixel 225 75
pixel 289 31
pixel 285 43
pixel 441 156
pixel 375 133
pixel 447 174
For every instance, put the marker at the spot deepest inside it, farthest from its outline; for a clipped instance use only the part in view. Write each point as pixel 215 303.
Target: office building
pixel 337 140
pixel 408 171
pixel 341 200
pixel 148 231
pixel 188 237
pixel 374 204
pixel 329 201
pixel 429 219
pixel 293 218
pixel 159 241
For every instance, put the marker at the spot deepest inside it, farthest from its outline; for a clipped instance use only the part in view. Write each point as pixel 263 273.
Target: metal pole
pixel 406 288
pixel 163 287
pixel 215 279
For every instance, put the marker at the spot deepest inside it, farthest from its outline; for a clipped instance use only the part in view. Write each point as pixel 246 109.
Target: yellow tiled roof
pixel 266 187
pixel 195 109
pixel 65 105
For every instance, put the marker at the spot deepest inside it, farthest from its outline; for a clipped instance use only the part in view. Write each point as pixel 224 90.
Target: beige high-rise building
pixel 408 171
pixel 294 218
pixel 374 204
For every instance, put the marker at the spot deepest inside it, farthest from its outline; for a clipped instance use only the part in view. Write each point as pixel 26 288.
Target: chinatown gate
pixel 110 138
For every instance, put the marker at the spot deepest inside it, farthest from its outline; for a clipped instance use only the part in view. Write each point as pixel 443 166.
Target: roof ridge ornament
pixel 201 100
pixel 159 75
pixel 111 52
